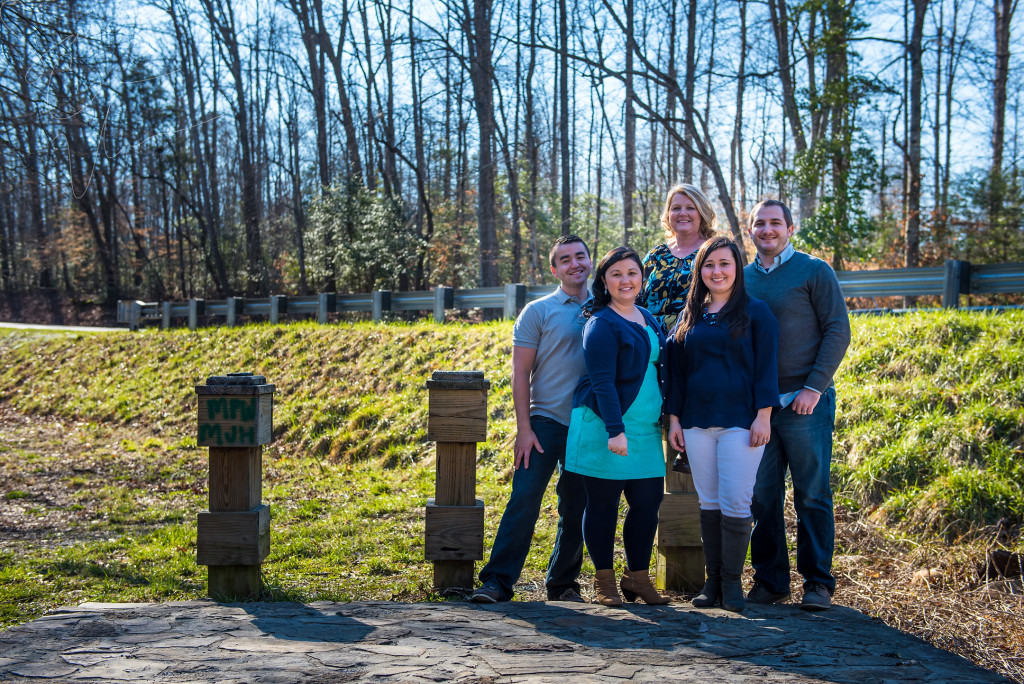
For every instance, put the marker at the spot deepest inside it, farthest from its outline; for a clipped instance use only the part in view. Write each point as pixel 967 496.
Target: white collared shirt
pixel 779 260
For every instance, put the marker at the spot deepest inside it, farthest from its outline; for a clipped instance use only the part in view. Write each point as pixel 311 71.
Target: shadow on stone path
pixel 203 641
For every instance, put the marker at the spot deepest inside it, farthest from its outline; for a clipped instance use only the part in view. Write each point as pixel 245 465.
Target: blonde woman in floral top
pixel 688 221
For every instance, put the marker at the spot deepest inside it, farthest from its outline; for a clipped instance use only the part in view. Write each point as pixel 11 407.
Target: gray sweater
pixel 814 328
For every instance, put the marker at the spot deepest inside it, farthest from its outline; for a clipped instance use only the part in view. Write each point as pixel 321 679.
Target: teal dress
pixel 586 448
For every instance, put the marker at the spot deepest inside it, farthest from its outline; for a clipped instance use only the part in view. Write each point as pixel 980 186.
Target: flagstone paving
pixel 204 641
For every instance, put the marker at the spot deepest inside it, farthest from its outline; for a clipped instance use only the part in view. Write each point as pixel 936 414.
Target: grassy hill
pixel 102 478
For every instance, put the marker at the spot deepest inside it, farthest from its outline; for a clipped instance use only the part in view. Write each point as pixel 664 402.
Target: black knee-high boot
pixel 735 540
pixel 711 538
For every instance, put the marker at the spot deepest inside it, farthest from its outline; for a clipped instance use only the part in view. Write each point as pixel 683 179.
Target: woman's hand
pixel 675 434
pixel 761 428
pixel 617 444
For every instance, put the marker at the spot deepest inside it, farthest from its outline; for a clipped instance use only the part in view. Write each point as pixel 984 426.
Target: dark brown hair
pixel 601 296
pixel 734 313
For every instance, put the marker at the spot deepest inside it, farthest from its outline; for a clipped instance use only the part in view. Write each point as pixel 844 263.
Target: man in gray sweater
pixel 814 332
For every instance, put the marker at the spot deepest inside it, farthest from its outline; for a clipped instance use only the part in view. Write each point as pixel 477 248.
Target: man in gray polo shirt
pixel 547 363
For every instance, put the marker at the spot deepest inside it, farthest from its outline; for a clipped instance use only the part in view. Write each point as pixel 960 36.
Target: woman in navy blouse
pixel 723 384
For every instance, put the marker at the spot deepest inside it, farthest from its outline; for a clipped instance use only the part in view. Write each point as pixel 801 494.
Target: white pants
pixel 724 468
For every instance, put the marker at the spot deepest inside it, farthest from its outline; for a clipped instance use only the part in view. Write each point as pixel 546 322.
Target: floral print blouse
pixel 666 284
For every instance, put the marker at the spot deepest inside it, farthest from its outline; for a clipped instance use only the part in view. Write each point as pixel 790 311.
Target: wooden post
pixel 680 561
pixel 515 300
pixel 444 298
pixel 325 303
pixel 381 303
pixel 196 308
pixel 233 309
pixel 955 282
pixel 278 306
pixel 235 421
pixel 457 420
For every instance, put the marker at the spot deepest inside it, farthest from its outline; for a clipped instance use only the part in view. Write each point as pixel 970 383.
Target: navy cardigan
pixel 616 352
pixel 717 380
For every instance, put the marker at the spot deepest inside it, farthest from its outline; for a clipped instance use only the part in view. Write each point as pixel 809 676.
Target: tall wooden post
pixel 454 523
pixel 680 562
pixel 235 421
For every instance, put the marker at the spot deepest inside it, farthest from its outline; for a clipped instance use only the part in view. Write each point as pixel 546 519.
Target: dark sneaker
pixel 762 595
pixel 816 597
pixel 487 594
pixel 570 595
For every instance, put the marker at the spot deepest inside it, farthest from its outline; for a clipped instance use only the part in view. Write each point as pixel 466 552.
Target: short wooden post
pixel 457 420
pixel 165 318
pixel 196 308
pixel 325 303
pixel 135 315
pixel 515 299
pixel 955 282
pixel 381 303
pixel 680 562
pixel 278 306
pixel 234 308
pixel 235 421
pixel 444 298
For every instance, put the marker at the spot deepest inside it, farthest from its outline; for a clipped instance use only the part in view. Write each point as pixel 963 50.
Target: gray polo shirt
pixel 553 325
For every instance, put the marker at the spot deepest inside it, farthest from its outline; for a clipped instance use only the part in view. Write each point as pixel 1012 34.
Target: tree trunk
pixel 912 254
pixel 222 22
pixel 563 121
pixel 736 165
pixel 478 32
pixel 1003 10
pixel 629 178
pixel 691 80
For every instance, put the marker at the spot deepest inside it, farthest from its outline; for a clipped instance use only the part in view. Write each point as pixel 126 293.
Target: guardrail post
pixel 325 303
pixel 515 299
pixel 165 315
pixel 134 314
pixel 454 525
pixel 234 308
pixel 278 306
pixel 679 565
pixel 233 536
pixel 956 281
pixel 381 303
pixel 196 308
pixel 444 298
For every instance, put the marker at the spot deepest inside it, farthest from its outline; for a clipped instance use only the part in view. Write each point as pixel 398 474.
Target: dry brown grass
pixel 944 593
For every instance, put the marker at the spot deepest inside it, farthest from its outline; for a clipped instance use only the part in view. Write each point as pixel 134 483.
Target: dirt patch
pixel 58 477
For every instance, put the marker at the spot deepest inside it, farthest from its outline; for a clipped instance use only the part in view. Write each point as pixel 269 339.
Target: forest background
pixel 190 148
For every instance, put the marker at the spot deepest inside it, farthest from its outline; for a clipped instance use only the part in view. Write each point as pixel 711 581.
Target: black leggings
pixel 602 515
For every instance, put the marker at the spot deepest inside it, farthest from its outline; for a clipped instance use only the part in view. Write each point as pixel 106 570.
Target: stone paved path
pixel 203 641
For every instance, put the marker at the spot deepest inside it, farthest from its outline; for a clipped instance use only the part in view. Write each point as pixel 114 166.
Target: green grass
pixel 930 427
pixel 930 430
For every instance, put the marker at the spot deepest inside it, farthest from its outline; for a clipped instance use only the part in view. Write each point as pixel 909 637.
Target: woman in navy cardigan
pixel 723 384
pixel 614 437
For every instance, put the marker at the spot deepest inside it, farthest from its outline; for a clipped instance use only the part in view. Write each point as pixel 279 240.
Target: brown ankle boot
pixel 637 583
pixel 604 587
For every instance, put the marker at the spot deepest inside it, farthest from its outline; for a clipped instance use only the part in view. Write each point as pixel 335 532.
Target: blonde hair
pixel 708 218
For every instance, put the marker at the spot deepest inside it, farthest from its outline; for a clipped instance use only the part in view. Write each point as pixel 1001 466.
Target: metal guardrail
pixel 950 281
pixel 894 282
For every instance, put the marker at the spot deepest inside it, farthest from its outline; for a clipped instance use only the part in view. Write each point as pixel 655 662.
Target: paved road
pixel 58 328
pixel 203 641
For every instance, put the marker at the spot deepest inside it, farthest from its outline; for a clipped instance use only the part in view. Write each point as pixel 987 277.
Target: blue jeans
pixel 512 543
pixel 804 445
